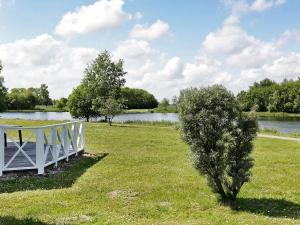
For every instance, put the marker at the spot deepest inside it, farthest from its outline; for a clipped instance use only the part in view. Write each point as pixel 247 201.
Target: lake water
pixel 284 126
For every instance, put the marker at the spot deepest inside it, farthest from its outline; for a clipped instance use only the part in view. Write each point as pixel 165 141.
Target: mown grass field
pixel 145 177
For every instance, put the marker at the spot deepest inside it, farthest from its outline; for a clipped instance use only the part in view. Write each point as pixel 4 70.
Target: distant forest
pixel 268 95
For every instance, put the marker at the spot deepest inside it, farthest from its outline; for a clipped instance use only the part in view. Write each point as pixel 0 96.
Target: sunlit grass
pixel 146 178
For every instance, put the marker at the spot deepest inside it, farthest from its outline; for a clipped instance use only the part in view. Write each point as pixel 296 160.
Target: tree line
pixel 268 95
pixel 31 98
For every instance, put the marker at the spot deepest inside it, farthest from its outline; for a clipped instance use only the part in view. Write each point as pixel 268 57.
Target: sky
pixel 166 45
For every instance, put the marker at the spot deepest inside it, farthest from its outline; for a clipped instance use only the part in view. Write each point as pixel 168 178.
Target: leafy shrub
pixel 219 136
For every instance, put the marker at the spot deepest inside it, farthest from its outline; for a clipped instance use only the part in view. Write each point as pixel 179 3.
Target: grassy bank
pixel 170 109
pixel 41 108
pixel 146 178
pixel 277 133
pixel 275 114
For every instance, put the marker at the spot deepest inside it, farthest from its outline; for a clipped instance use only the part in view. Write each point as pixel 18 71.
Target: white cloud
pixel 152 32
pixel 239 7
pixel 261 5
pixel 173 68
pixel 43 59
pixel 237 46
pixel 133 49
pixel 205 71
pixel 287 36
pixel 7 3
pixel 101 15
pixel 284 67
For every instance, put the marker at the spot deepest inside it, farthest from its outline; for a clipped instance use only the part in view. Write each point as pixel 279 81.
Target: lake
pixel 284 126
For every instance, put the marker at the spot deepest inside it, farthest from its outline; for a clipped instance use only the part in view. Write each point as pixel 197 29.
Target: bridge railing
pixel 43 145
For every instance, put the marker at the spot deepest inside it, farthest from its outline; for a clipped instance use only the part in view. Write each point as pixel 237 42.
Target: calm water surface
pixel 284 126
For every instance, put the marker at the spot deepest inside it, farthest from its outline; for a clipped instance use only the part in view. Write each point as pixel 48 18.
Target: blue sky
pixel 167 45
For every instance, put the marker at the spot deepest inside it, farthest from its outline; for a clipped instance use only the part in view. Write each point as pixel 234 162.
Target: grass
pixel 146 178
pixel 137 110
pixel 169 109
pixel 40 108
pixel 277 133
pixel 275 114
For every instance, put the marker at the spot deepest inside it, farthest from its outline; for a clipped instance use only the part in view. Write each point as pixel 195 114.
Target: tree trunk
pixel 109 121
pixel 221 190
pixel 87 119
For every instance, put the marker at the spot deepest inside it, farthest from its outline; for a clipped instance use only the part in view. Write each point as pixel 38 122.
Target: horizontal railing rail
pixel 17 127
pixel 43 146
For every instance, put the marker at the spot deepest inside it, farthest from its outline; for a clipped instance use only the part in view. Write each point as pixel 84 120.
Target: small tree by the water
pixel 219 136
pixel 110 108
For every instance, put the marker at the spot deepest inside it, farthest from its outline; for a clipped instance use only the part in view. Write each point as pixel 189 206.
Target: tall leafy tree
pixel 44 98
pixel 219 136
pixel 99 93
pixel 104 79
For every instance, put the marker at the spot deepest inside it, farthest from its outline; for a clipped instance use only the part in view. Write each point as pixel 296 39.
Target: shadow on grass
pixel 61 179
pixel 9 220
pixel 269 207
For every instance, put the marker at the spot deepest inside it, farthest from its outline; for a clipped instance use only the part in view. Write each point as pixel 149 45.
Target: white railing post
pixel 2 148
pixel 75 137
pixel 82 135
pixel 65 140
pixel 53 144
pixel 40 150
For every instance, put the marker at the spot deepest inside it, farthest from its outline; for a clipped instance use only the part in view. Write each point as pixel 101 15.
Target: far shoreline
pixel 156 110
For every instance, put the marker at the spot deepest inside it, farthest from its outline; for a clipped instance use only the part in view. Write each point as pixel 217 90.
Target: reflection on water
pixel 286 125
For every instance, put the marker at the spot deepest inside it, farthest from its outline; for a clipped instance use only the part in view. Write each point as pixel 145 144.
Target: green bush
pixel 220 138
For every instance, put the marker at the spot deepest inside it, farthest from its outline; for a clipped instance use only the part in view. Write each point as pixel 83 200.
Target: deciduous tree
pixel 80 103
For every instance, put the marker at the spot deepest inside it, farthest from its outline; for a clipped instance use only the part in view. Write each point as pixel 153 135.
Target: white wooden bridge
pixel 42 146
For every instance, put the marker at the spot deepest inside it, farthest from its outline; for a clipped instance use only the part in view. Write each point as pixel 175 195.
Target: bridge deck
pixel 21 160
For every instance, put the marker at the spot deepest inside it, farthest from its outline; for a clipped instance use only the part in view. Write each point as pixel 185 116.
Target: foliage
pixel 21 98
pixel 61 103
pixel 138 99
pixel 103 80
pixel 219 136
pixel 165 106
pixel 164 103
pixel 168 109
pixel 270 96
pixel 43 95
pixel 110 108
pixel 26 98
pixel 80 103
pixel 3 91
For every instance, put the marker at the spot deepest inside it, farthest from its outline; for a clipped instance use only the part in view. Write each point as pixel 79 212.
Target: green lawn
pixel 145 177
